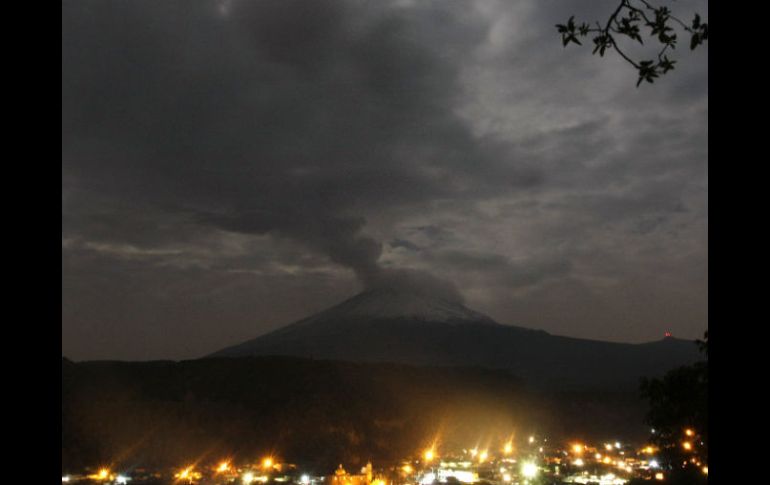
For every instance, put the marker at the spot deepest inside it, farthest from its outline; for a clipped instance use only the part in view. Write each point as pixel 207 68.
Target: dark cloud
pixel 251 154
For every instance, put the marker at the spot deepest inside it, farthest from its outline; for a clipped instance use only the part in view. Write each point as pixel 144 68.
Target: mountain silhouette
pixel 405 326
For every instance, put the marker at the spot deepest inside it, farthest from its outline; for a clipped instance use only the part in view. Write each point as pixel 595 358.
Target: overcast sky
pixel 229 167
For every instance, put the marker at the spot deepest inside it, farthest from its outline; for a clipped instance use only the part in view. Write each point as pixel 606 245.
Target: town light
pixel 577 448
pixel 248 477
pixel 705 470
pixel 429 455
pixel 687 445
pixel 483 456
pixel 658 476
pixel 689 432
pixel 508 448
pixel 529 470
pixel 223 467
pixel 267 462
pixel 102 475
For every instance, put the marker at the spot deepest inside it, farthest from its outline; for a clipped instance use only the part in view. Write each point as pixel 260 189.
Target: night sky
pixel 229 167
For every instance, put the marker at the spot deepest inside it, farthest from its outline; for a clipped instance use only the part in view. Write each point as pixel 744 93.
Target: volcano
pixel 406 326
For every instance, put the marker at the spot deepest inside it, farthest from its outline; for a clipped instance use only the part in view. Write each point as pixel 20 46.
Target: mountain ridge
pixel 402 327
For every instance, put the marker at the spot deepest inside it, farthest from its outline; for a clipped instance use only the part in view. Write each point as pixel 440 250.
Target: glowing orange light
pixel 658 476
pixel 267 462
pixel 483 456
pixel 407 469
pixel 102 475
pixel 187 474
pixel 687 445
pixel 508 448
pixel 577 448
pixel 429 455
pixel 223 467
pixel 689 432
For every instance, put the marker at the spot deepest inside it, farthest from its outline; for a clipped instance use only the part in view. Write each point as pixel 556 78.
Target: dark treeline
pixel 317 413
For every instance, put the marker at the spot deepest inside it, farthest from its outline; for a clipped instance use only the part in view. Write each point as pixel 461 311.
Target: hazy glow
pixel 577 448
pixel 188 473
pixel 429 455
pixel 428 478
pixel 461 475
pixel 529 470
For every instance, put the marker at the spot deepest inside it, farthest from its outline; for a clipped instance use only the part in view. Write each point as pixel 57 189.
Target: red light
pixel 667 334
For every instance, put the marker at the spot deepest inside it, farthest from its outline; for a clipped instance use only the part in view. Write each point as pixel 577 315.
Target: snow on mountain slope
pixel 387 303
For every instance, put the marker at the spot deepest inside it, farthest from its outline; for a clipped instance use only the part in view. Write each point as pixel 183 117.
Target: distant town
pixel 532 460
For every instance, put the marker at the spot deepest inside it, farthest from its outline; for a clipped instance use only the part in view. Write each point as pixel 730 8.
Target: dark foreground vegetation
pixel 310 411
